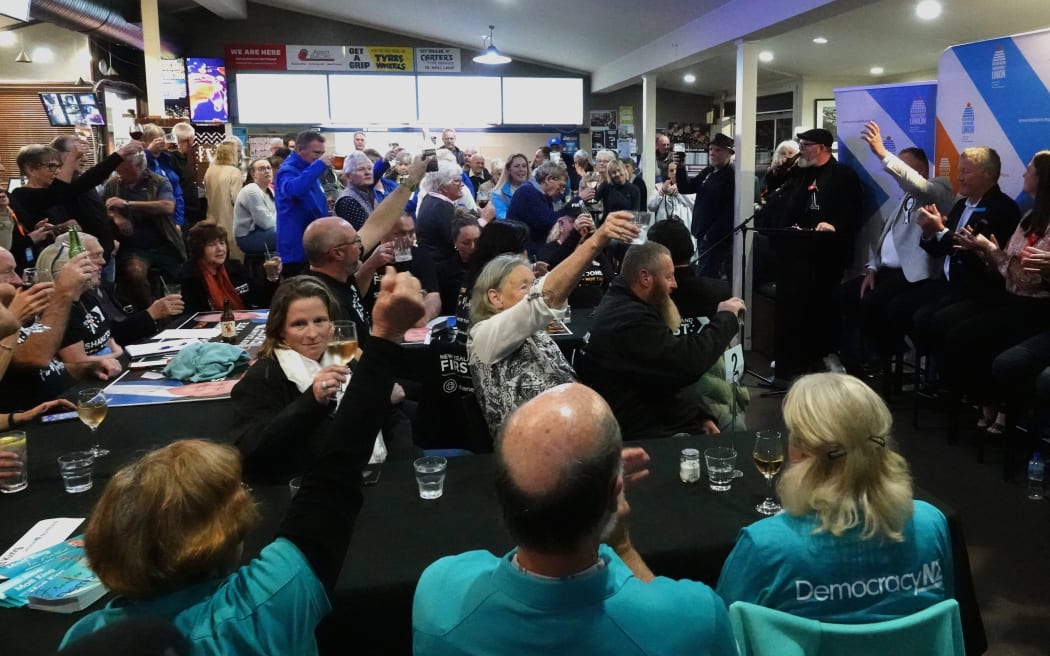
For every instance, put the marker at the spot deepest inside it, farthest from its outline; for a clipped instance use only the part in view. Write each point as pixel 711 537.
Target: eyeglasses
pixel 807 144
pixel 53 166
pixel 355 242
pixel 263 168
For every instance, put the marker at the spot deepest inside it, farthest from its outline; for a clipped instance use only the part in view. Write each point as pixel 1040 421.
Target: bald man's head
pixel 558 466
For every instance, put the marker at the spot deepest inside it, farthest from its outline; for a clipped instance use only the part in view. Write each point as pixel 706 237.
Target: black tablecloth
pixel 683 531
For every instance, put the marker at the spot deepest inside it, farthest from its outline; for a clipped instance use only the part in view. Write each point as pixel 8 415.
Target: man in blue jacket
pixel 299 197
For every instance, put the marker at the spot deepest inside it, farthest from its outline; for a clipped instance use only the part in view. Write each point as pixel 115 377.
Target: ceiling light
pixel 7 39
pixel 928 9
pixel 689 78
pixel 489 54
pixel 877 70
pixel 820 40
pixel 22 57
pixel 765 56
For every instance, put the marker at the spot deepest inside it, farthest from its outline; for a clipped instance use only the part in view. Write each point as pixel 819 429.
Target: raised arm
pixel 385 217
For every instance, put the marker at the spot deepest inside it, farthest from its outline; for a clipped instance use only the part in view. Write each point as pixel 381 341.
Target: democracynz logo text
pixel 928 577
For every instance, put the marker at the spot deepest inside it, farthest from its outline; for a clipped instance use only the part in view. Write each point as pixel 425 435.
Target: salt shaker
pixel 689 466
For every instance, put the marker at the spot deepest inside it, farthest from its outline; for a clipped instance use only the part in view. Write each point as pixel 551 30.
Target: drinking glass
pixel 92 407
pixel 769 458
pixel 28 280
pixel 135 131
pixel 343 346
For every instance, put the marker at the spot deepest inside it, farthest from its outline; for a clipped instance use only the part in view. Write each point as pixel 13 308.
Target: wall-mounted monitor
pixel 280 98
pixel 372 99
pixel 446 100
pixel 543 100
pixel 66 109
pixel 206 80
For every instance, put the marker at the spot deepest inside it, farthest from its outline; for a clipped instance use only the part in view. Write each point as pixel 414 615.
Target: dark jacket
pixel 195 292
pixel 531 206
pixel 644 371
pixel 70 200
pixel 434 227
pixel 617 197
pixel 713 210
pixel 277 428
pixel 997 214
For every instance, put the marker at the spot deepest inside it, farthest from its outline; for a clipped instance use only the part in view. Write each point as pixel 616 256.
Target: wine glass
pixel 28 280
pixel 92 407
pixel 769 458
pixel 135 131
pixel 343 346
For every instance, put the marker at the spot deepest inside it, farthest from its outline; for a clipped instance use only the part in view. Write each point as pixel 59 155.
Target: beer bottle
pixel 75 247
pixel 228 323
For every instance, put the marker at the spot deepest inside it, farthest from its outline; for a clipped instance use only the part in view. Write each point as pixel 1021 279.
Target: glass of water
pixel 721 461
pixel 430 476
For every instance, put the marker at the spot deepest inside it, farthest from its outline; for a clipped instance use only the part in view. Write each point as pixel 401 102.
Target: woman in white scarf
pixel 293 388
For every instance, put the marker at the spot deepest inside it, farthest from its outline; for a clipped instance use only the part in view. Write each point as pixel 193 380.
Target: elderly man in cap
pixel 714 187
pixel 574 584
pixel 824 197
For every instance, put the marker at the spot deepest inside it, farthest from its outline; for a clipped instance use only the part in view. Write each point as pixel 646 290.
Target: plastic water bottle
pixel 1036 467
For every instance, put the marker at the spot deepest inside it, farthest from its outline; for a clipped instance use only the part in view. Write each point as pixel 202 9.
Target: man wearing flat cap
pixel 713 212
pixel 824 197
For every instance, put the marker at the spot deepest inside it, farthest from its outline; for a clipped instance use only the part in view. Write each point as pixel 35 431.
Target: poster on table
pixel 905 116
pixel 995 93
pixel 603 130
pixel 151 386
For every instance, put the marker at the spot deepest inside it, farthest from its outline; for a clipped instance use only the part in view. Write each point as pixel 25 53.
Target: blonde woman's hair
pixel 850 474
pixel 226 153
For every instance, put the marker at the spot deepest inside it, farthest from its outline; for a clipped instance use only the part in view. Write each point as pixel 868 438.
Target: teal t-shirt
pixel 778 562
pixel 476 603
pixel 269 606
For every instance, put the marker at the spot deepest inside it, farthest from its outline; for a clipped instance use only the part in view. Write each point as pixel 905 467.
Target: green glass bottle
pixel 75 247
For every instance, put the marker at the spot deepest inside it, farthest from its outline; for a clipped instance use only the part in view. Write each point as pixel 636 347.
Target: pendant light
pixel 489 54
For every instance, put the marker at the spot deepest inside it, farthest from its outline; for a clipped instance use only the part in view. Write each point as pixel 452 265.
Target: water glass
pixel 402 249
pixel 294 485
pixel 721 461
pixel 430 476
pixel 76 469
pixel 16 478
pixel 642 220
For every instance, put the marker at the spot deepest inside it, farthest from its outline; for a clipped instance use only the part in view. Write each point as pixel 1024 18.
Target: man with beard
pixel 635 360
pixel 819 211
pixel 574 583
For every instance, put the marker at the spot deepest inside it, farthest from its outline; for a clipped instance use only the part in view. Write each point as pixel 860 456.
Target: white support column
pixel 744 205
pixel 151 52
pixel 647 137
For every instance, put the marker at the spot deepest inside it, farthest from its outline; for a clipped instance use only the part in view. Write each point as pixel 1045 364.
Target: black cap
pixel 723 141
pixel 817 135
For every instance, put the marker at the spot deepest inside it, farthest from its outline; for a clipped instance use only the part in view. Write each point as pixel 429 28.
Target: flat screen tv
pixel 206 79
pixel 66 109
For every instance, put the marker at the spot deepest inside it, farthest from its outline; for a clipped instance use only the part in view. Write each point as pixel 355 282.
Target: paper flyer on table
pixel 44 534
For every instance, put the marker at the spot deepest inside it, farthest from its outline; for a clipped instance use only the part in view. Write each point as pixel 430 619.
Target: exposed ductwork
pixel 94 20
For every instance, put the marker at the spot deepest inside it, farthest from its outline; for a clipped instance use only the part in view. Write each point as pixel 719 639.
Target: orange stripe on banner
pixel 947 156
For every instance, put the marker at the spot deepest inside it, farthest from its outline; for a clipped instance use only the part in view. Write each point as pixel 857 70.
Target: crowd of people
pixel 391 241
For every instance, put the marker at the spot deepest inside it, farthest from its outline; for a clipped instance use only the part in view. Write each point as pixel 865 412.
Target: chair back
pixel 934 631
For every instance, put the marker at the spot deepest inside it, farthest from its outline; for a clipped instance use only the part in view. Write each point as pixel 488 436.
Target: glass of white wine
pixel 29 278
pixel 769 458
pixel 92 407
pixel 343 347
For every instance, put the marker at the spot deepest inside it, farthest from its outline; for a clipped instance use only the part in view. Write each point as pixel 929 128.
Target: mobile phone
pixel 679 147
pixel 369 475
pixel 431 160
pixel 58 416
